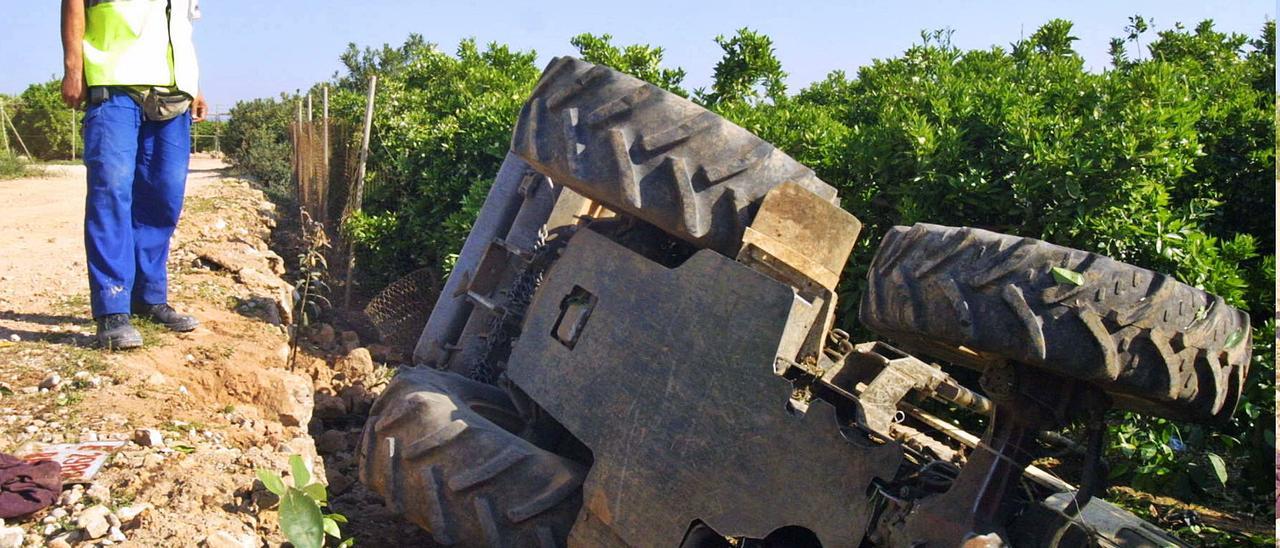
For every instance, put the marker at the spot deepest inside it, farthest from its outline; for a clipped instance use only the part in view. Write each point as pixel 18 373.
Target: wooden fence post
pixel 299 160
pixel 4 135
pixel 324 185
pixel 356 197
pixel 15 134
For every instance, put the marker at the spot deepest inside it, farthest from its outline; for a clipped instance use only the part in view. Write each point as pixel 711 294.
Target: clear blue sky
pixel 255 48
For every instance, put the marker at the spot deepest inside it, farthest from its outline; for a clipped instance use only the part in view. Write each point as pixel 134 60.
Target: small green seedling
pixel 301 520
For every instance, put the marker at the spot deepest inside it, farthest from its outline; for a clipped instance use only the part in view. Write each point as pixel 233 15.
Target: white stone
pixel 226 539
pixel 70 498
pixel 11 537
pixel 99 492
pixel 132 512
pixel 93 521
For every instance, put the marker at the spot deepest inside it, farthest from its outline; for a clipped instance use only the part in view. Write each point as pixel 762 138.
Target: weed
pixel 301 519
pixel 153 334
pixel 310 300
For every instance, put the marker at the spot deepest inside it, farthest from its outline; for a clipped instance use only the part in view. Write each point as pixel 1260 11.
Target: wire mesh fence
pixel 328 187
pixel 400 310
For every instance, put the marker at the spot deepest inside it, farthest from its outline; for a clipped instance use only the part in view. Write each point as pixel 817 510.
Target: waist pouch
pixel 158 104
pixel 162 104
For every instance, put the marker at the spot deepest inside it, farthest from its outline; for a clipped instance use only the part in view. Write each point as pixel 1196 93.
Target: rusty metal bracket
pixel 880 377
pixel 800 236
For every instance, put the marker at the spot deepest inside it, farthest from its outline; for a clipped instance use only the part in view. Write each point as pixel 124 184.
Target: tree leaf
pixel 1219 467
pixel 1065 276
pixel 337 517
pixel 331 528
pixel 348 543
pixel 1234 338
pixel 301 476
pixel 271 481
pixel 300 520
pixel 316 491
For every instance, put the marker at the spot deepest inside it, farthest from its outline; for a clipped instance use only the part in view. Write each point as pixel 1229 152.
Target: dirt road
pixel 42 259
pixel 199 411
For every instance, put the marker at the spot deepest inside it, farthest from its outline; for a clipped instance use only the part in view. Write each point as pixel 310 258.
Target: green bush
pixel 46 124
pixel 441 127
pixel 256 141
pixel 11 166
pixel 1165 162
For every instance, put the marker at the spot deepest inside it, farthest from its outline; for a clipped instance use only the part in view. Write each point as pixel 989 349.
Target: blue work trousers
pixel 137 175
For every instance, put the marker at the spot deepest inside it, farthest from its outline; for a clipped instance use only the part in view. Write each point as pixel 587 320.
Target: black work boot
pixel 116 333
pixel 165 315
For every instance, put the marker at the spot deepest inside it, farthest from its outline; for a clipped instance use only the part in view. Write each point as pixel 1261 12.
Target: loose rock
pixel 148 437
pixel 380 352
pixel 99 492
pixel 129 515
pixel 350 340
pixel 11 537
pixel 71 496
pixel 358 399
pixel 93 521
pixel 356 365
pixel 292 400
pixel 324 335
pixel 329 406
pixel 332 441
pixel 338 483
pixel 225 539
pixel 51 381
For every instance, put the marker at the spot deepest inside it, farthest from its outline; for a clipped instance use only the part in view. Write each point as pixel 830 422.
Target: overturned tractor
pixel 636 348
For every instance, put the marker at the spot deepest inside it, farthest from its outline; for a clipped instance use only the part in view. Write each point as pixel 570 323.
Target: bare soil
pixel 223 397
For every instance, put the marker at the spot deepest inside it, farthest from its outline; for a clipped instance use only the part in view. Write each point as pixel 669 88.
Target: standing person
pixel 134 64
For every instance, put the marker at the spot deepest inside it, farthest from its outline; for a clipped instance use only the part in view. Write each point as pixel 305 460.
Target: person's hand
pixel 199 108
pixel 74 90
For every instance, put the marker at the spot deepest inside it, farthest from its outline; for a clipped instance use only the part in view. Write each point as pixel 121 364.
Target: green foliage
pixel 256 140
pixel 301 518
pixel 45 123
pixel 749 72
pixel 1165 161
pixel 639 60
pixel 11 166
pixel 442 124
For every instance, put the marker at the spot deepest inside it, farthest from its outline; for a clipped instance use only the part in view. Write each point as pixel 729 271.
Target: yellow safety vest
pixel 141 43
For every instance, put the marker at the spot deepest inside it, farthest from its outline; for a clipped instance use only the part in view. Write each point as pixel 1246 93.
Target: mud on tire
pixel 650 153
pixel 434 450
pixel 1155 344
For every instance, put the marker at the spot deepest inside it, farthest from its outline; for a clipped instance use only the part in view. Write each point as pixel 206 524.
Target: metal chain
pixel 489 361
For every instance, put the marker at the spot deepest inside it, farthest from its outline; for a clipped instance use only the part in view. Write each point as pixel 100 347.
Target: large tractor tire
pixel 650 153
pixel 967 295
pixel 434 450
